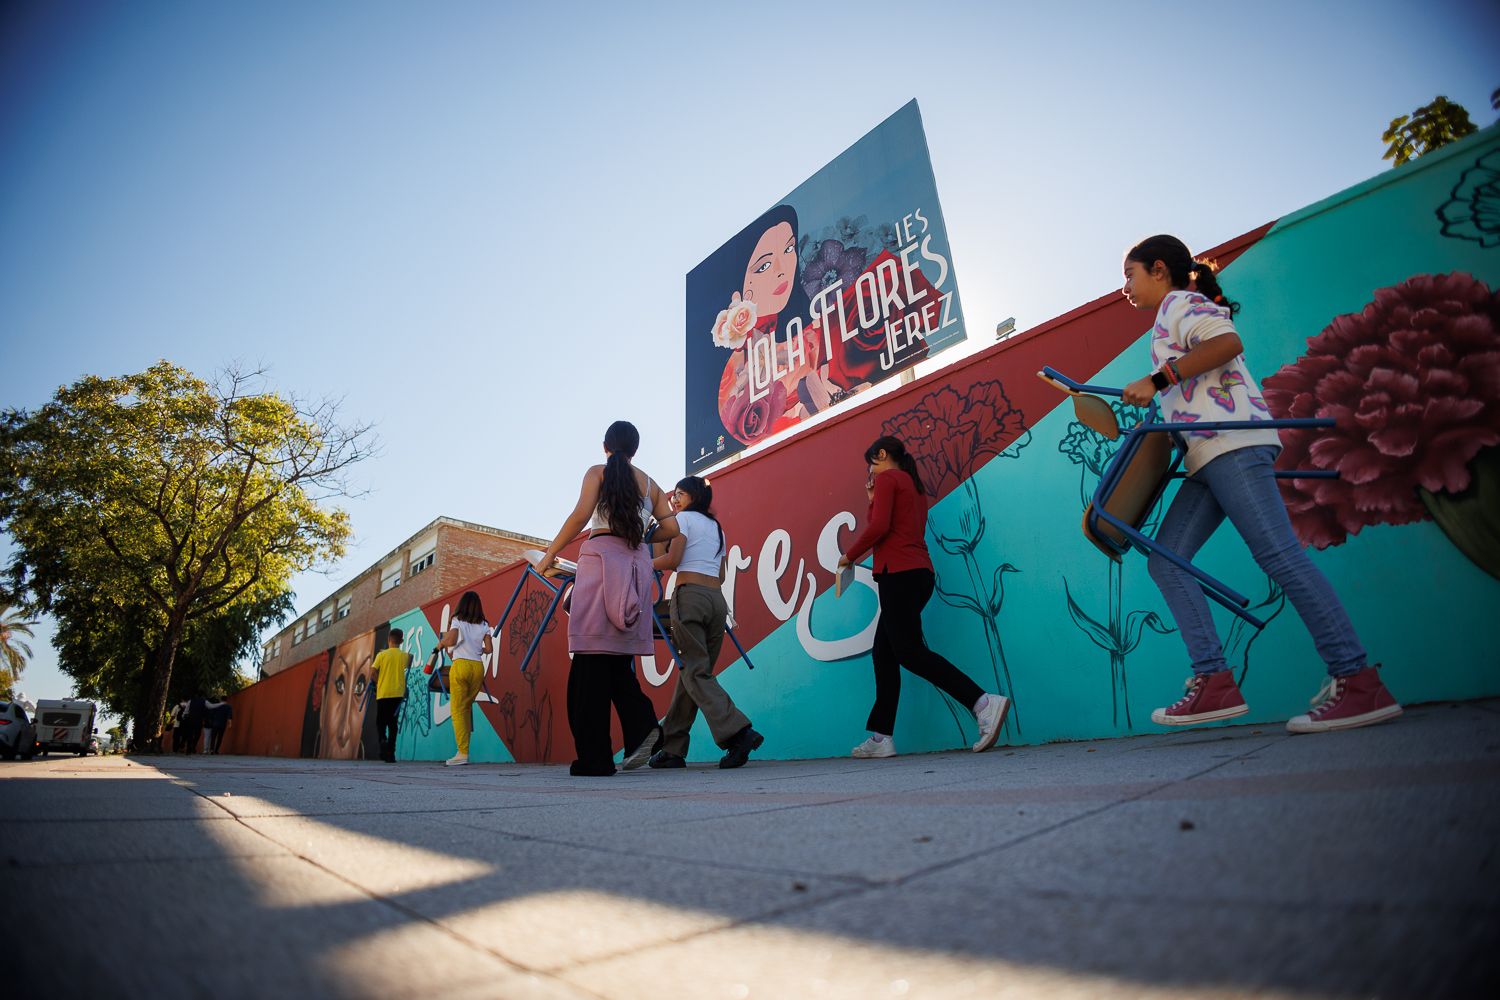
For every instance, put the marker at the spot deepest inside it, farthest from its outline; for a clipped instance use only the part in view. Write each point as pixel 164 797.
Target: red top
pixel 898 521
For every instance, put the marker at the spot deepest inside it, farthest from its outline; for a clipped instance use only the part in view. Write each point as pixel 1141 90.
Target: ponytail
pixel 620 496
pixel 897 453
pixel 1182 268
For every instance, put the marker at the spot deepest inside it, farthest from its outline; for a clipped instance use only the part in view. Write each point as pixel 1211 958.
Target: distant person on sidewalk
pixel 1200 372
pixel 469 638
pixel 895 528
pixel 212 715
pixel 192 724
pixel 390 692
pixel 699 614
pixel 610 621
pixel 220 715
pixel 178 732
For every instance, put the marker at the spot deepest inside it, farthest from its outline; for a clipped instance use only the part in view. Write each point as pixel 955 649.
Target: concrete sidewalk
pixel 1223 862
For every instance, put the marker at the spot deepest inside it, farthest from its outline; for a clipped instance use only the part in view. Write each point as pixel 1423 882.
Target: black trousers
pixel 899 643
pixel 192 736
pixel 387 716
pixel 595 682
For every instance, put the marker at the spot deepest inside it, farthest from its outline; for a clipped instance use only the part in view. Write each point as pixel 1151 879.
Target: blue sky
pixel 472 221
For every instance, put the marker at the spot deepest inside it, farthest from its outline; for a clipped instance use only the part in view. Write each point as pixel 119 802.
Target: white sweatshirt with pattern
pixel 1184 321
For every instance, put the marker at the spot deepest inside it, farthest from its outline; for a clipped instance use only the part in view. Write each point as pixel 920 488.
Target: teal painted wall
pixel 426 728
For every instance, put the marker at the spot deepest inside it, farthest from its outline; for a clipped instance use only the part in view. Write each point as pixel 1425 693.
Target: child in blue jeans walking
pixel 1200 374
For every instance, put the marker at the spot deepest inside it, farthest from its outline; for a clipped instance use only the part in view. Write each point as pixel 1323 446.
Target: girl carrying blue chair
pixel 1213 408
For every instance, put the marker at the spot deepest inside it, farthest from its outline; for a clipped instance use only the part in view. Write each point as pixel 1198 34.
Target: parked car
pixel 17 734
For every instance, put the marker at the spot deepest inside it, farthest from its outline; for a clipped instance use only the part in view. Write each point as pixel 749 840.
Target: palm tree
pixel 13 652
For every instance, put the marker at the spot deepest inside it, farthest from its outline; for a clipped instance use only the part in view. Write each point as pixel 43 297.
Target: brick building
pixel 443 556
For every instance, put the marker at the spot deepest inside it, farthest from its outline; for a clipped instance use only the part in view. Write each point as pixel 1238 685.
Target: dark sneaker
pixel 642 753
pixel 740 748
pixel 665 759
pixel 1209 698
pixel 1348 702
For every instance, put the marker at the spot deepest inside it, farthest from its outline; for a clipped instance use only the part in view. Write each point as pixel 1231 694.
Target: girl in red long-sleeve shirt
pixel 904 580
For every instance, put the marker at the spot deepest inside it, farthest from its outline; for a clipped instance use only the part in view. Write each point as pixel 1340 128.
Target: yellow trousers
pixel 463 687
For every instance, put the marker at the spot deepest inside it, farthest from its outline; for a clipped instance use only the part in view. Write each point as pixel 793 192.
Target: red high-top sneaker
pixel 1209 697
pixel 1348 702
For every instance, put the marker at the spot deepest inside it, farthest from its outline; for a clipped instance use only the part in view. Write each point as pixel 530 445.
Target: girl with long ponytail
pixel 610 619
pixel 896 530
pixel 1199 370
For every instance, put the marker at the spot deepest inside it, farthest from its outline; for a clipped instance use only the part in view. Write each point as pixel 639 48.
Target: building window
pixel 344 606
pixel 390 577
pixel 325 618
pixel 276 647
pixel 423 559
pixel 297 634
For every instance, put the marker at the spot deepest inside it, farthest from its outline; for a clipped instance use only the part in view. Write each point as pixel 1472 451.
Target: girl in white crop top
pixel 699 618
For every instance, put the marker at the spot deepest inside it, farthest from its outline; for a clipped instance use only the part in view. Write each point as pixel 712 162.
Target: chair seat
pixel 1148 467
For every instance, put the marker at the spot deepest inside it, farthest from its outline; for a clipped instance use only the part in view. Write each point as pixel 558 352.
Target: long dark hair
pixel 1183 269
pixel 701 500
pixel 469 609
pixel 896 451
pixel 620 496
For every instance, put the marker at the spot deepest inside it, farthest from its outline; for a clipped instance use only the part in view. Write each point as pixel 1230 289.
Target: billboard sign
pixel 841 284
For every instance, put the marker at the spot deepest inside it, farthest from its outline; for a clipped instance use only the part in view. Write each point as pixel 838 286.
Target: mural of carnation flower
pixel 527 617
pixel 829 263
pixel 1472 211
pixel 951 434
pixel 1413 381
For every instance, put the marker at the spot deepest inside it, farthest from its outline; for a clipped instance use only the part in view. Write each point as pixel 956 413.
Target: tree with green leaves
pixel 160 502
pixel 1425 129
pixel 15 650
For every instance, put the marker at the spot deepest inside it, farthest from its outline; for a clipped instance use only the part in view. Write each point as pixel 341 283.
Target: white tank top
pixel 600 521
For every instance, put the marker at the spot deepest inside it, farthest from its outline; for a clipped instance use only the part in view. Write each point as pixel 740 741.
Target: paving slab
pixel 1227 862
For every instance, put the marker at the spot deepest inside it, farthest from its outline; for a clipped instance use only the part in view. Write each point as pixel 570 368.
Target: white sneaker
pixel 642 753
pixel 457 760
pixel 876 748
pixel 991 718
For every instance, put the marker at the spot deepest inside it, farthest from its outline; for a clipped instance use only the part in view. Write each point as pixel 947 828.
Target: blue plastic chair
pixel 1138 474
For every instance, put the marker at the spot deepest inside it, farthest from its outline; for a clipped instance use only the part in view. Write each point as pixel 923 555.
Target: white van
pixel 64 724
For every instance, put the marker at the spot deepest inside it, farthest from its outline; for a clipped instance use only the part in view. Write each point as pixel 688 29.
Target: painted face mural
pixel 341 720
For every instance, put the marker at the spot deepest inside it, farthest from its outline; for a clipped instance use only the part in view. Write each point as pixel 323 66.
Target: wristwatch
pixel 1159 379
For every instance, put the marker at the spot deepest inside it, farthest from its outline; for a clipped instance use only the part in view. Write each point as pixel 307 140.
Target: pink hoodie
pixel 611 603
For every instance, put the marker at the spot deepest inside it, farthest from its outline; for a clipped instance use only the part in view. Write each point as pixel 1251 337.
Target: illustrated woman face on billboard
pixel 771 378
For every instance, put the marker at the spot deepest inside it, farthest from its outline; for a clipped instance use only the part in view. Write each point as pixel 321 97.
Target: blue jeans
pixel 1240 485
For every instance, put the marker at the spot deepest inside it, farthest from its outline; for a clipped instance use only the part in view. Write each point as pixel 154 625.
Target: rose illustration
pixel 750 420
pixel 1472 211
pixel 734 324
pixel 857 360
pixel 1413 381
